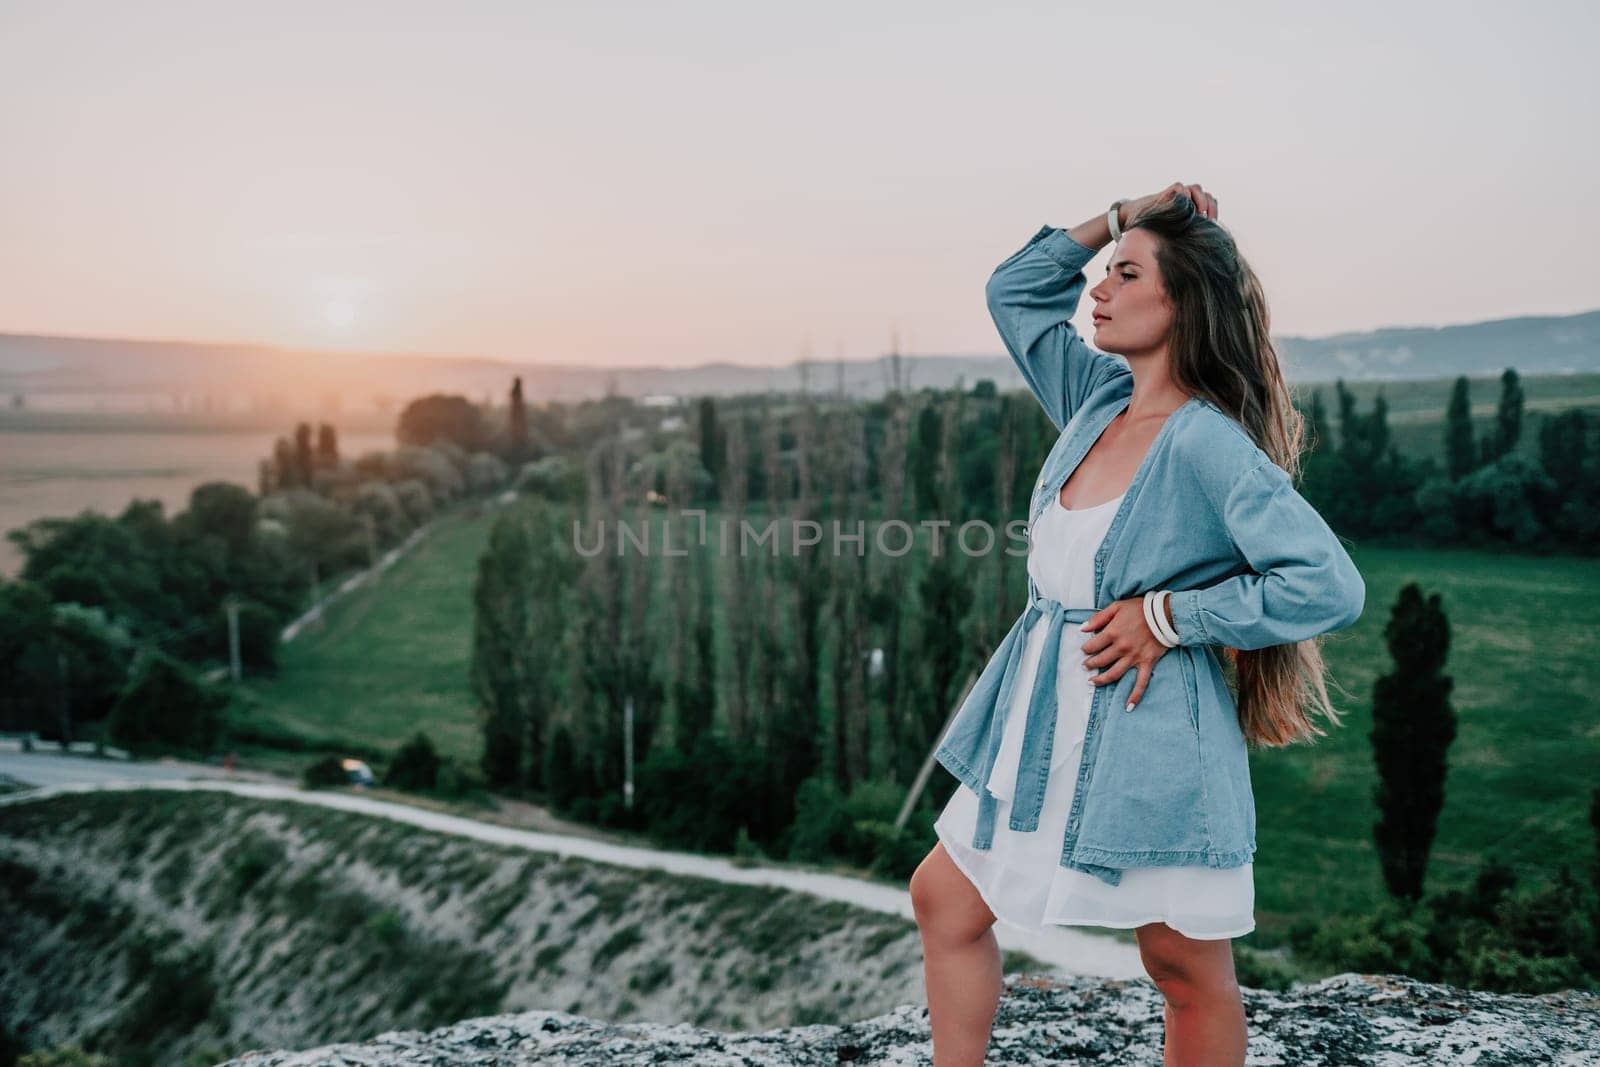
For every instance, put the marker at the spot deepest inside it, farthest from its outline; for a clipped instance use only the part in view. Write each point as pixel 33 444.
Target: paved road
pixel 1069 950
pixel 56 768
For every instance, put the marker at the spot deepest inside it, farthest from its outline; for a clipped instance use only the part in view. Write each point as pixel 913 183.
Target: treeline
pixel 782 699
pixel 110 619
pixel 786 702
pixel 1533 492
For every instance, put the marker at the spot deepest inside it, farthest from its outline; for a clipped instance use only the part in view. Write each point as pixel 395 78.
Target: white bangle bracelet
pixel 1154 610
pixel 1161 617
pixel 1111 220
pixel 1150 618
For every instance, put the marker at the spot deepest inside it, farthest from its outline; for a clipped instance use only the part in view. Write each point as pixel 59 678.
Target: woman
pixel 1104 781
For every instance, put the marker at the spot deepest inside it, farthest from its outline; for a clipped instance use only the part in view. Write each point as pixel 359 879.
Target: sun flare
pixel 339 313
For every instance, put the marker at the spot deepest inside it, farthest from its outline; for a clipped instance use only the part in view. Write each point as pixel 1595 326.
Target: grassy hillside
pixel 190 922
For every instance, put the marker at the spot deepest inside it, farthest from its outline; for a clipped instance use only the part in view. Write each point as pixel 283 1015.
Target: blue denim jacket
pixel 1208 515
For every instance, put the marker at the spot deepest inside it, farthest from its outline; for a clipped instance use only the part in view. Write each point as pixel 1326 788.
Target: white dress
pixel 1020 876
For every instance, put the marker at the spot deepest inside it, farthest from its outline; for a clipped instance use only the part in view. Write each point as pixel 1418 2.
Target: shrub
pixel 329 770
pixel 486 472
pixel 859 828
pixel 415 766
pixel 1493 935
pixel 554 478
pixel 415 499
pixel 165 706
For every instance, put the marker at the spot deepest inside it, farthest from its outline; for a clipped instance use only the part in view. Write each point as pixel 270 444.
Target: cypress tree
pixel 1460 455
pixel 712 450
pixel 1316 424
pixel 302 454
pixel 517 426
pixel 1564 450
pixel 1508 416
pixel 928 445
pixel 285 471
pixel 1412 728
pixel 327 446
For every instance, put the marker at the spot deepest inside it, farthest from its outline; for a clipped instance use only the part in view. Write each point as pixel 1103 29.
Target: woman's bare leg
pixel 960 960
pixel 1204 1010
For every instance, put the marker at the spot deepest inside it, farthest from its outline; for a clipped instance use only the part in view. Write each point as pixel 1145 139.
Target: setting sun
pixel 339 313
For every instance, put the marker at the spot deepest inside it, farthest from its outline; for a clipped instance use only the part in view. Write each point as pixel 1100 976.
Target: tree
pixel 285 473
pixel 1503 499
pixel 1412 728
pixel 1460 455
pixel 712 446
pixel 439 417
pixel 688 632
pixel 615 660
pixel 28 658
pixel 1594 824
pixel 926 448
pixel 1564 450
pixel 517 423
pixel 415 765
pixel 1349 421
pixel 886 600
pixel 1508 415
pixel 521 614
pixel 567 776
pixel 165 706
pixel 129 565
pixel 1317 425
pixel 221 510
pixel 327 446
pixel 1365 487
pixel 304 462
pixel 1571 459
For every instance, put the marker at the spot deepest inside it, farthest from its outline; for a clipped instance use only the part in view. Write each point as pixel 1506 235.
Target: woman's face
pixel 1136 315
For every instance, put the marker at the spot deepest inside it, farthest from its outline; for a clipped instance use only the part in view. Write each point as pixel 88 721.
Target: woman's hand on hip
pixel 1123 642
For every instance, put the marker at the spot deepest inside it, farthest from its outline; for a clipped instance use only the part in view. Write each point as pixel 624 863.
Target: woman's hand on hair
pixel 1204 202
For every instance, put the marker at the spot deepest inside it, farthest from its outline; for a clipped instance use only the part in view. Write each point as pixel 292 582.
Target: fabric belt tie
pixel 1039 732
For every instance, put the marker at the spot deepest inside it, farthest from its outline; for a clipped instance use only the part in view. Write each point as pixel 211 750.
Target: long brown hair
pixel 1220 349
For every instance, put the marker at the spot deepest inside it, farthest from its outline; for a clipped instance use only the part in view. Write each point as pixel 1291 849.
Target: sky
pixel 681 183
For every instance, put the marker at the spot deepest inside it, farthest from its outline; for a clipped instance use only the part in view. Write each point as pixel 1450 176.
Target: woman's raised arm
pixel 1032 297
pixel 1035 292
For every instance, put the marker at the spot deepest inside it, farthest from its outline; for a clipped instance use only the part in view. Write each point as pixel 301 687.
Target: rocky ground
pixel 1347 1019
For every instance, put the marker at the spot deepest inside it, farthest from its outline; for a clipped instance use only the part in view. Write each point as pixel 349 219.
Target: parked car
pixel 359 772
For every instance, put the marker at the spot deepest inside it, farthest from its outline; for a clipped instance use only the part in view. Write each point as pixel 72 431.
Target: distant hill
pixel 68 373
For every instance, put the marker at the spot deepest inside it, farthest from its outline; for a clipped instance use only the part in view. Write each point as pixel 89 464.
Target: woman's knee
pixel 945 902
pixel 1185 968
pixel 925 886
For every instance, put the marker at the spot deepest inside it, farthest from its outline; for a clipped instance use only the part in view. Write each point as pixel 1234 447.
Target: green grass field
pixel 385 661
pixel 1525 630
pixel 1525 633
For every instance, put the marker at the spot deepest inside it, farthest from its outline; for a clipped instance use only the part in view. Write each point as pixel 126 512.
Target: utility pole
pixel 627 753
pixel 372 538
pixel 316 593
pixel 927 764
pixel 64 701
pixel 231 603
